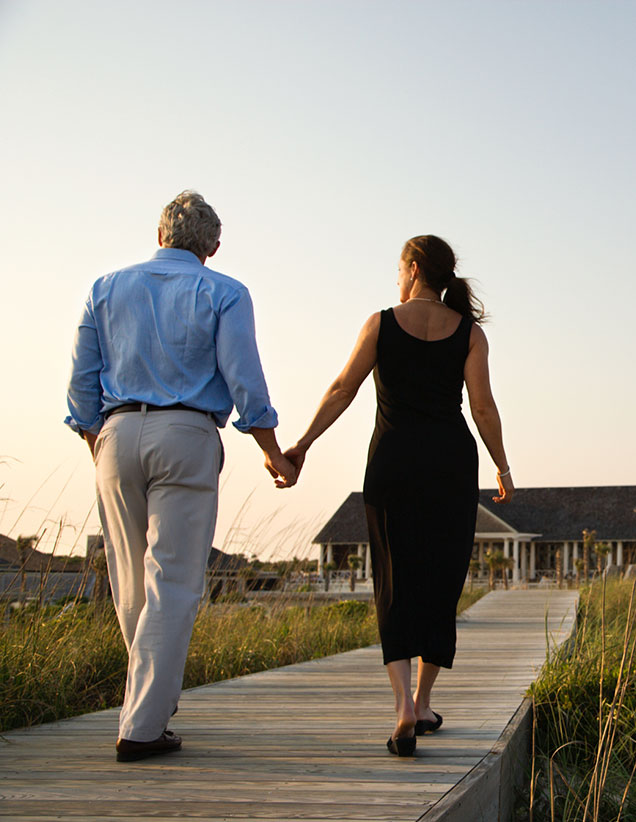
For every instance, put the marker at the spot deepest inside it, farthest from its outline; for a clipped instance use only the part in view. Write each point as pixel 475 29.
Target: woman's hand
pixel 506 488
pixel 296 456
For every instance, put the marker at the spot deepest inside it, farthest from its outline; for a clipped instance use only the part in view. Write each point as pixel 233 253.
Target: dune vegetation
pixel 584 736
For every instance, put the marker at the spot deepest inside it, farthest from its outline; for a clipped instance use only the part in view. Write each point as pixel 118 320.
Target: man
pixel 163 351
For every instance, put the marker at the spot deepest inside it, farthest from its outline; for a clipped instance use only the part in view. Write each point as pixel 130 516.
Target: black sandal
pixel 425 726
pixel 402 746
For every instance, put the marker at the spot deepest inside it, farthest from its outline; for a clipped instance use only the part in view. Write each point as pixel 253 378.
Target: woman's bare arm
pixel 484 410
pixel 342 391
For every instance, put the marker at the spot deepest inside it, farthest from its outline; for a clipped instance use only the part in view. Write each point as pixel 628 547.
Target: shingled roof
pixel 220 561
pixel 562 513
pixel 348 524
pixel 33 559
pixel 553 514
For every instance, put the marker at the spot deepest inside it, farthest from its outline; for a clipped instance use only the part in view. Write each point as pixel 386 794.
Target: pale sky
pixel 325 133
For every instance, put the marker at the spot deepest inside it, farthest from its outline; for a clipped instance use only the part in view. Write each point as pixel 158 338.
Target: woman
pixel 420 487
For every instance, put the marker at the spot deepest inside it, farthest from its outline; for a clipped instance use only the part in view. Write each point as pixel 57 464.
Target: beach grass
pixel 584 735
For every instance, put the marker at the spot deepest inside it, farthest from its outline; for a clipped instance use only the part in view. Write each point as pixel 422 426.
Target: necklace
pixel 425 300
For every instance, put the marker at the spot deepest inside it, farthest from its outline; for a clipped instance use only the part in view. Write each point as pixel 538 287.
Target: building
pixel 27 574
pixel 540 529
pixel 30 575
pixel 232 574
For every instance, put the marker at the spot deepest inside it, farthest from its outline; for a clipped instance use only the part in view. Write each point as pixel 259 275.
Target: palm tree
pixel 354 562
pixel 601 549
pixel 327 569
pixel 505 564
pixel 578 564
pixel 496 561
pixel 589 541
pixel 493 560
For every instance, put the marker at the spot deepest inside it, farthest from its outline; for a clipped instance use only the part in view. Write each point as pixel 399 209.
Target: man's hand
pixel 90 441
pixel 282 470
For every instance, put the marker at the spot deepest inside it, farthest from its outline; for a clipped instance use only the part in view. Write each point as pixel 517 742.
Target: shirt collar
pixel 176 254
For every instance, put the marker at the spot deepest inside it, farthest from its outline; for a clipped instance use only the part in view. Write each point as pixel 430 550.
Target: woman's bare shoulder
pixel 372 324
pixel 478 337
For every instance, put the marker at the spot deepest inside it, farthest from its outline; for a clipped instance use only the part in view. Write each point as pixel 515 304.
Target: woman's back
pixel 419 373
pixel 427 320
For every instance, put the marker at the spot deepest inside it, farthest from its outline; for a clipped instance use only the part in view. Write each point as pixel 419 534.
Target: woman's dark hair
pixel 436 261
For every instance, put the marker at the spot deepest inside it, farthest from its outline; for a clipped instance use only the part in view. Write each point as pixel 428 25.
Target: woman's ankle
pixel 421 703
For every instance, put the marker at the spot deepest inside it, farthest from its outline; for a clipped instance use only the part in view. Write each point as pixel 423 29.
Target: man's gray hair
pixel 189 222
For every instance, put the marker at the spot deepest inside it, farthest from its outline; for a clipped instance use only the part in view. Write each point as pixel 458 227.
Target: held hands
pixel 277 465
pixel 506 488
pixel 285 468
pixel 282 469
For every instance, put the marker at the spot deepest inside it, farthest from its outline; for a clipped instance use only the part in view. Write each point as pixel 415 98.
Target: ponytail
pixel 460 297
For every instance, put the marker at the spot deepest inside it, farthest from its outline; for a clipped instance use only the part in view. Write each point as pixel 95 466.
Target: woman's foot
pixel 425 713
pixel 404 746
pixel 405 725
pixel 428 725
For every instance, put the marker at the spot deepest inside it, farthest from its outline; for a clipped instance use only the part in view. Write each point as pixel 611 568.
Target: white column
pixel 533 559
pixel 575 552
pixel 524 561
pixel 321 560
pixel 609 556
pixel 619 552
pixel 360 570
pixel 506 552
pixel 368 568
pixel 515 554
pixel 566 559
pixel 330 553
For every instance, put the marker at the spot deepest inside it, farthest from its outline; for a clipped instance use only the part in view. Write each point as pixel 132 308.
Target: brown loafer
pixel 128 750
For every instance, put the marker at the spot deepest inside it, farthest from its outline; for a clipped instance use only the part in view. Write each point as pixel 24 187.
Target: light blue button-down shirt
pixel 163 332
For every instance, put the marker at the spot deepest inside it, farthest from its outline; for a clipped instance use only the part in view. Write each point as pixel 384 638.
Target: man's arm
pixel 239 363
pixel 84 396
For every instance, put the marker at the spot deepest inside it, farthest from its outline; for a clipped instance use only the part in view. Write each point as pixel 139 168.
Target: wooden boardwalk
pixel 302 742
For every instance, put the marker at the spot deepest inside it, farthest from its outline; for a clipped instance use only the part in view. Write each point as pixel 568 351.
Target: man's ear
pixel 216 248
pixel 159 237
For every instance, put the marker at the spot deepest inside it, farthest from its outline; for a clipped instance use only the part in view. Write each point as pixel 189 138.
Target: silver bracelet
pixel 505 473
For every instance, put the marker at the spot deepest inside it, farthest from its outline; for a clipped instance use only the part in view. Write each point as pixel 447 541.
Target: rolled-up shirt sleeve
pixel 240 364
pixel 84 395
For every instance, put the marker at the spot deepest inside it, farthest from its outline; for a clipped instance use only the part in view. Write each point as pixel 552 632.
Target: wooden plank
pixel 306 741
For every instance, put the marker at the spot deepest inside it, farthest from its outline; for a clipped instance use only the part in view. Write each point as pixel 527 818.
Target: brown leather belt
pixel 138 406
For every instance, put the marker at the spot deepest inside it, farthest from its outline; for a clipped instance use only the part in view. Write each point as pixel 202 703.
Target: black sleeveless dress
pixel 420 491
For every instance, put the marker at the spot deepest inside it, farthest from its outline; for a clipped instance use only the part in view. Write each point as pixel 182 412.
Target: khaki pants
pixel 157 490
